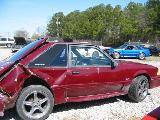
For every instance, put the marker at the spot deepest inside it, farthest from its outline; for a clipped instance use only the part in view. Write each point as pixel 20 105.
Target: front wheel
pixel 139 88
pixel 141 56
pixel 35 103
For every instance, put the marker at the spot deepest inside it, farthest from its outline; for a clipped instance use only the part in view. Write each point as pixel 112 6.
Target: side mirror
pixel 113 65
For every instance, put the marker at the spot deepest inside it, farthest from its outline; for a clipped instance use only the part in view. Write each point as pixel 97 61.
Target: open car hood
pixel 8 63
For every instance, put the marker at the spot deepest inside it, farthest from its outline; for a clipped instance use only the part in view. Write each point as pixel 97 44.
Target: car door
pixel 131 51
pixel 82 74
pixel 110 80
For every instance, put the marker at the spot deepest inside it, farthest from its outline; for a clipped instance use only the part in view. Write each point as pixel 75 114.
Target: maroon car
pixel 44 74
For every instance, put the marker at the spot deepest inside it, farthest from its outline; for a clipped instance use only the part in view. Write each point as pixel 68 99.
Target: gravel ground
pixel 4 53
pixel 116 108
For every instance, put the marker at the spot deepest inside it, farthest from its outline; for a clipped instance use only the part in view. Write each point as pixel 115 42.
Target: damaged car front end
pixel 10 86
pixel 12 76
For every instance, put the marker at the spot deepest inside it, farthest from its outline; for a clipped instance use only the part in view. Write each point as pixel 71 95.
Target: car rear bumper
pixel 155 82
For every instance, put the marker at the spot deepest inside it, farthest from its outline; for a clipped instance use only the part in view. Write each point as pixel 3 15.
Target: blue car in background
pixel 133 51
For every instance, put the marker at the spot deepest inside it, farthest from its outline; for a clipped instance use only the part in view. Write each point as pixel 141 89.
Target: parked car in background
pixel 131 50
pixel 6 41
pixel 44 74
pixel 155 50
pixel 19 43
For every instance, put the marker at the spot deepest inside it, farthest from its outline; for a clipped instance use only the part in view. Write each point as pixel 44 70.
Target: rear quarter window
pixel 56 56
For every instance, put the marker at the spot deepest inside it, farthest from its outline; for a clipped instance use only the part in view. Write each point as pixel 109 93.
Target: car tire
pixel 139 89
pixel 9 45
pixel 35 102
pixel 141 56
pixel 116 55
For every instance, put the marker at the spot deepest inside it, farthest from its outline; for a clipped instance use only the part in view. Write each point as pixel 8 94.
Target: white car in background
pixel 6 41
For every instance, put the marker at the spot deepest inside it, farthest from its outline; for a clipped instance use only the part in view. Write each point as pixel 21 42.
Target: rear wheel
pixel 35 103
pixel 141 56
pixel 139 89
pixel 116 55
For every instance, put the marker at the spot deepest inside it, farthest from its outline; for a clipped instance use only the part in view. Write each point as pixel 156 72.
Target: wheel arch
pixel 34 80
pixel 117 52
pixel 142 52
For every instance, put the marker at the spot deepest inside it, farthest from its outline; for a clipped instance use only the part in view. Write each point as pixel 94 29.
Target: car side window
pixel 3 39
pixel 56 56
pixel 129 47
pixel 88 56
pixel 9 39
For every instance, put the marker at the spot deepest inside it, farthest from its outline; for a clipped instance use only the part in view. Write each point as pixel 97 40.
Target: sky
pixel 32 14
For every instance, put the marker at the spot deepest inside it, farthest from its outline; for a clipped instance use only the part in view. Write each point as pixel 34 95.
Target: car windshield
pixel 18 55
pixel 122 46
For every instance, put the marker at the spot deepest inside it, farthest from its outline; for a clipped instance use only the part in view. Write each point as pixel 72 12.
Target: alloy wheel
pixel 143 89
pixel 141 56
pixel 35 105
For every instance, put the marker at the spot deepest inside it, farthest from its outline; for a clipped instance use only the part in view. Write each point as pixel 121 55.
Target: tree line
pixel 112 25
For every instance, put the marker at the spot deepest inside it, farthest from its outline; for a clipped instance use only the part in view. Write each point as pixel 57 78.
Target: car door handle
pixel 75 72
